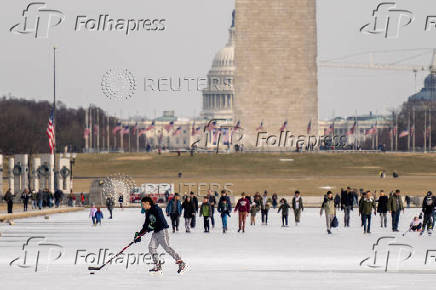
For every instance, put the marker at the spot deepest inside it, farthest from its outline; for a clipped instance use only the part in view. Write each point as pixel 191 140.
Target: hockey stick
pixel 119 253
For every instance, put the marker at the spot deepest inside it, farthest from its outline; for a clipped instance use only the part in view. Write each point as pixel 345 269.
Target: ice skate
pixel 182 266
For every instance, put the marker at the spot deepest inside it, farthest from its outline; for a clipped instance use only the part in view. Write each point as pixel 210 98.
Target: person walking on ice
pixel 284 208
pixel 243 208
pixel 328 206
pixel 297 205
pixel 155 222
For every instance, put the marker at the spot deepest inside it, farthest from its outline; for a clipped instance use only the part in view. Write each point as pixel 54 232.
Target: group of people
pixel 246 205
pixel 38 199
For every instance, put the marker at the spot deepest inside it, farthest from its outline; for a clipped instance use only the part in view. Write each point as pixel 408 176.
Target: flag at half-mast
pixel 125 130
pixel 353 129
pixel 309 127
pixel 285 124
pixel 169 126
pixel 51 133
pixel 404 133
pixel 150 127
pixel 116 128
pixel 260 126
pixel 86 132
pixel 177 131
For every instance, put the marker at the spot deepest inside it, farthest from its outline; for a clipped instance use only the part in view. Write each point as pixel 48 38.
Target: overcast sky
pixel 194 31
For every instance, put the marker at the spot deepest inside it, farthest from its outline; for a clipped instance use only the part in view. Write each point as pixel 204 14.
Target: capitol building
pixel 218 97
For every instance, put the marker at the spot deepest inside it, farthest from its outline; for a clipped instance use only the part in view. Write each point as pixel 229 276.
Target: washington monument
pixel 276 67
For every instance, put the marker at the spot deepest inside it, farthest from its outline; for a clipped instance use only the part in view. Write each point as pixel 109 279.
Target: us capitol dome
pixel 218 97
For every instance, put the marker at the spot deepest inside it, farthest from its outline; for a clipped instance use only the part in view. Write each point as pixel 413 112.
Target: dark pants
pixel 57 202
pixel 193 222
pixel 285 220
pixel 265 216
pixel 366 223
pixel 428 221
pixel 110 211
pixel 206 223
pixel 175 217
pixel 347 212
pixel 10 206
pixel 395 220
pixel 212 219
pixel 25 205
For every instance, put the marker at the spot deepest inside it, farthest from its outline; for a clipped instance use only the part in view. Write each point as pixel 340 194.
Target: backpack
pixel 334 223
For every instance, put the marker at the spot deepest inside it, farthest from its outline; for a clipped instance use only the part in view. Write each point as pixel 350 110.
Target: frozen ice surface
pixel 264 257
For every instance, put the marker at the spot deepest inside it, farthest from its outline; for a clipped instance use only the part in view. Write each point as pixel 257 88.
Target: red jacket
pixel 243 205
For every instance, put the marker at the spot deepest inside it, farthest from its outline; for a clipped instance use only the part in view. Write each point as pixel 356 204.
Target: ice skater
pixel 284 208
pixel 253 210
pixel 155 222
pixel 416 224
pixel 428 206
pixel 243 208
pixel 395 206
pixel 174 210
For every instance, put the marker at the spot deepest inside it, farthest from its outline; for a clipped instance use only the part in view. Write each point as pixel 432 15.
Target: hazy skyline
pixel 194 31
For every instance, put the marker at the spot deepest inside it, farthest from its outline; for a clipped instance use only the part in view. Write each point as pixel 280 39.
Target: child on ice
pixel 415 225
pixel 284 208
pixel 253 211
pixel 92 212
pixel 206 211
pixel 98 216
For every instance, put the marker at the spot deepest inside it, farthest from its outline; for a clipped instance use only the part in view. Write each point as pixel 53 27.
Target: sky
pixel 192 33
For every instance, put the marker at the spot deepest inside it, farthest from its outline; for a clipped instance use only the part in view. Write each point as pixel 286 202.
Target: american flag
pixel 125 130
pixel 211 126
pixel 86 132
pixel 116 129
pixel 394 131
pixel 309 127
pixel 134 129
pixel 51 132
pixel 237 126
pixel 225 133
pixel 169 126
pixel 150 127
pixel 404 133
pixel 372 131
pixel 330 129
pixel 282 128
pixel 353 129
pixel 142 132
pixel 216 132
pixel 177 131
pixel 260 126
pixel 96 129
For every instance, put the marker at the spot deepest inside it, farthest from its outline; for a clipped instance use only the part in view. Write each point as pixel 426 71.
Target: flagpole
pixel 408 135
pixel 429 129
pixel 54 120
pixel 425 130
pixel 413 137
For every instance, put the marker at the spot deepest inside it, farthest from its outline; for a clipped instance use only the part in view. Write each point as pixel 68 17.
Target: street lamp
pixel 72 161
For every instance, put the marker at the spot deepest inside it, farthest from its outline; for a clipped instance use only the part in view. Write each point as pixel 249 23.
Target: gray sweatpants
pixel 161 238
pixel 328 220
pixel 188 223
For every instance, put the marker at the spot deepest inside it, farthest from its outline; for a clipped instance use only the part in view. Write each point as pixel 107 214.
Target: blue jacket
pixel 99 215
pixel 170 206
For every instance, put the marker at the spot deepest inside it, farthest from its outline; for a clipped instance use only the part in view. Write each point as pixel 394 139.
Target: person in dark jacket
pixel 206 211
pixel 155 222
pixel 110 205
pixel 174 211
pixel 428 206
pixel 224 208
pixel 194 201
pixel 265 206
pixel 382 209
pixel 121 200
pixel 9 198
pixel 274 200
pixel 347 200
pixel 25 196
pixel 58 196
pixel 243 208
pixel 188 212
pixel 284 208
pixel 337 201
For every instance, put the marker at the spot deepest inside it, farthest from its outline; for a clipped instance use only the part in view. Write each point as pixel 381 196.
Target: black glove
pixel 137 238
